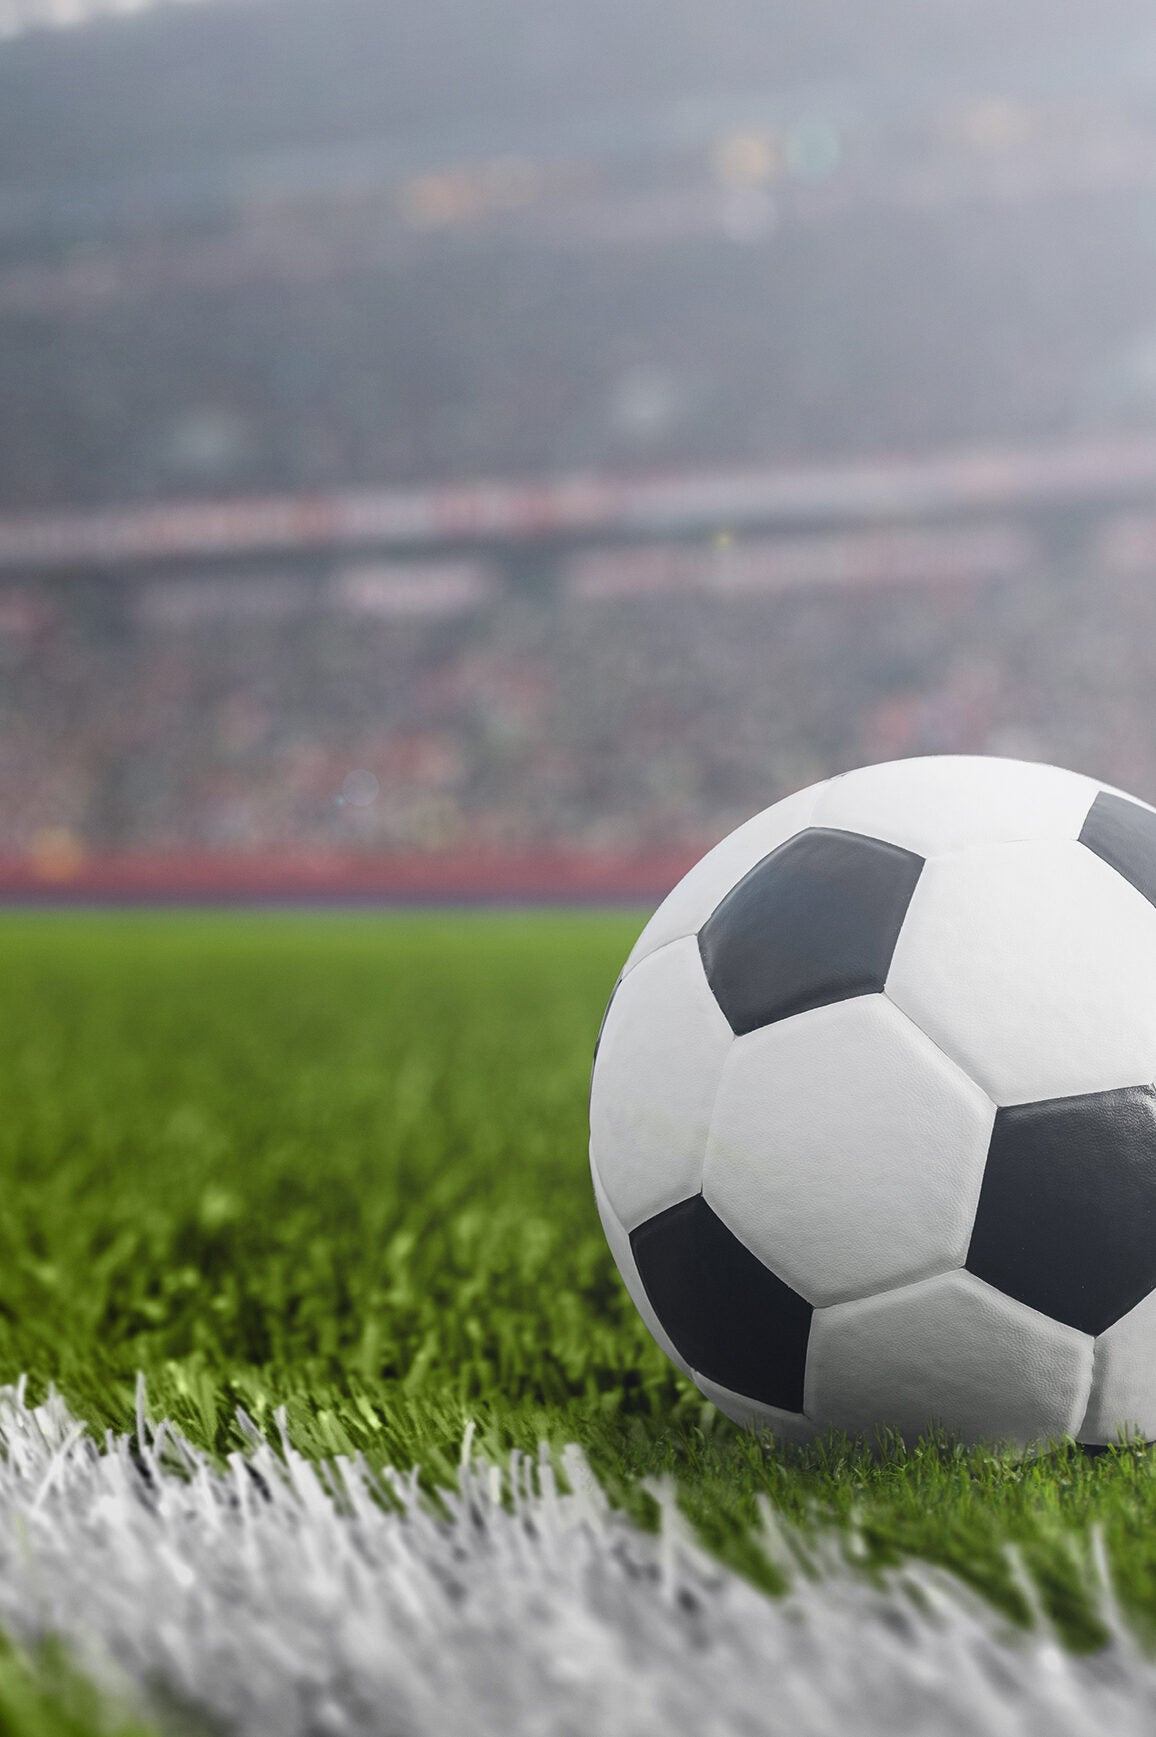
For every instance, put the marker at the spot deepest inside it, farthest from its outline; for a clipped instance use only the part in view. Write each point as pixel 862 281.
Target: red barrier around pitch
pixel 223 878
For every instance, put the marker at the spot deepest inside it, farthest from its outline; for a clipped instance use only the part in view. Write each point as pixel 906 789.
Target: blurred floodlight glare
pixel 20 15
pixel 360 789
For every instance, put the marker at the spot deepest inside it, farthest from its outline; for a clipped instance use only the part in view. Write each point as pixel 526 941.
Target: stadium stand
pixel 195 715
pixel 491 274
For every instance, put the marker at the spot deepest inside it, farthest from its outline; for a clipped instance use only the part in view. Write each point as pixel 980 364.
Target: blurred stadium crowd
pixel 305 362
pixel 451 243
pixel 230 714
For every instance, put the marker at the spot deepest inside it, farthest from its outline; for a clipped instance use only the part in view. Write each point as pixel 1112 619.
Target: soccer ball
pixel 873 1120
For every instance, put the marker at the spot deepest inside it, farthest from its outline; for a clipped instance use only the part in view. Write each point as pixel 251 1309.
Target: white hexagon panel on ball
pixel 656 1073
pixel 949 1352
pixel 847 1151
pixel 1032 966
pixel 950 802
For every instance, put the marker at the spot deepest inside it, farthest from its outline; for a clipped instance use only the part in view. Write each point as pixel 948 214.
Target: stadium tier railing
pixel 593 507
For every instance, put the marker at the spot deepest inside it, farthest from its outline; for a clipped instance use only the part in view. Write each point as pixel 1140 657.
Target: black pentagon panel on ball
pixel 814 922
pixel 1124 835
pixel 1066 1220
pixel 726 1313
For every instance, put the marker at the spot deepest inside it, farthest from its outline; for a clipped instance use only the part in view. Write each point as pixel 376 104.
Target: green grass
pixel 43 1695
pixel 339 1163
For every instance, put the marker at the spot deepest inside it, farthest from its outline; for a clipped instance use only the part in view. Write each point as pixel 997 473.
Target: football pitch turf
pixel 337 1164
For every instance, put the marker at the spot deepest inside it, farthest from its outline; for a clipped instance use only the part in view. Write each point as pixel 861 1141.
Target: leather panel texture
pixel 731 1318
pixel 750 1414
pixel 660 1059
pixel 847 1151
pixel 1123 1402
pixel 1123 834
pixel 950 1352
pixel 687 907
pixel 814 922
pixel 1033 966
pixel 619 1243
pixel 1067 1212
pixel 949 802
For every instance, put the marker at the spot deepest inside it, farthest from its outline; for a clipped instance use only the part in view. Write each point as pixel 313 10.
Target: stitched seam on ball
pixel 675 941
pixel 702 1190
pixel 1079 1429
pixel 951 1060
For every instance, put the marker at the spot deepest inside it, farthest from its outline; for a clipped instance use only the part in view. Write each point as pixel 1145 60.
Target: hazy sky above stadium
pixel 17 15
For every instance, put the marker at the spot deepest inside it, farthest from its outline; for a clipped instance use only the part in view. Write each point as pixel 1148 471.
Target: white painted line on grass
pixel 282 1599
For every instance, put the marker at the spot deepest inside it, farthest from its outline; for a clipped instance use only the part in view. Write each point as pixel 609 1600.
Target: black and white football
pixel 873 1111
